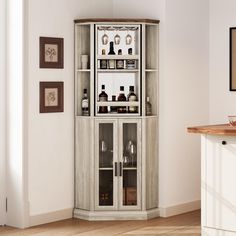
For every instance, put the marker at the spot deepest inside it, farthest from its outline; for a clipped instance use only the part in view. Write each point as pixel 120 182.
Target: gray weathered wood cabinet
pixel 116 154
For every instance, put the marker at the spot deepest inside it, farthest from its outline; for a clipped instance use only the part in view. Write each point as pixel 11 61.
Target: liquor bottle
pixel 85 104
pixel 113 108
pixel 148 107
pixel 121 97
pixel 103 62
pixel 120 63
pixel 131 98
pixel 103 98
pixel 111 51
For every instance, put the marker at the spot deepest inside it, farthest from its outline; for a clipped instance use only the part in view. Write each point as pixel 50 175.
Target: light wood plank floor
pixel 181 225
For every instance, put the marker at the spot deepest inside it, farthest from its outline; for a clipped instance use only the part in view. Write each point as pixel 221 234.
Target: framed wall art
pixel 232 53
pixel 51 52
pixel 51 97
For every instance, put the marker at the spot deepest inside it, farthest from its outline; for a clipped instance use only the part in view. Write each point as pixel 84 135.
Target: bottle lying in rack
pixel 103 97
pixel 132 98
pixel 121 97
pixel 85 104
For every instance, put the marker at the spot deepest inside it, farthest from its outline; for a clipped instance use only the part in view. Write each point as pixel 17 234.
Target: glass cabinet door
pixel 106 165
pixel 130 164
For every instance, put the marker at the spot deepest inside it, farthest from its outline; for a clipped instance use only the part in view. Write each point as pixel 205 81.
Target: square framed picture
pixel 232 53
pixel 51 52
pixel 51 97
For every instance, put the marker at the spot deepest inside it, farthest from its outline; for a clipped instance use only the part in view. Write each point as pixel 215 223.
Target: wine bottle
pixel 111 51
pixel 103 62
pixel 85 104
pixel 121 97
pixel 103 97
pixel 113 108
pixel 131 98
pixel 148 107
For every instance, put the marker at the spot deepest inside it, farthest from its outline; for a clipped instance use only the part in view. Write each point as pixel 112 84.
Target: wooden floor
pixel 186 225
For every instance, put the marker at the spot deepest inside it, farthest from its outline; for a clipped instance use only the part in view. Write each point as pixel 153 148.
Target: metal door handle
pixel 121 168
pixel 116 169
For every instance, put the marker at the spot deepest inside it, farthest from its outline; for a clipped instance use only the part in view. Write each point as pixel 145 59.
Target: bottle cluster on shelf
pixel 131 97
pixel 103 97
pixel 129 64
pixel 117 63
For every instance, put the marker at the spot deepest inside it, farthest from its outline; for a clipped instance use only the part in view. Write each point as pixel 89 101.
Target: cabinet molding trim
pixel 50 217
pixel 116 215
pixel 180 209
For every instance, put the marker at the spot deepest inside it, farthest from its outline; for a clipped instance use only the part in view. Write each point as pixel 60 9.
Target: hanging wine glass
pixel 128 39
pixel 133 154
pixel 117 37
pixel 105 38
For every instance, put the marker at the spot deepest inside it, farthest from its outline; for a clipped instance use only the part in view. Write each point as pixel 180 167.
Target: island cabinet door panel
pixel 219 183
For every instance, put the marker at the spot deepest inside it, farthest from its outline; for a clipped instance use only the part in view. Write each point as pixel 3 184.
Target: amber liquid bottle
pixel 132 98
pixel 103 97
pixel 121 97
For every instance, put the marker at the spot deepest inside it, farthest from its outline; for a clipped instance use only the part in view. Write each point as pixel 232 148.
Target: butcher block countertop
pixel 223 129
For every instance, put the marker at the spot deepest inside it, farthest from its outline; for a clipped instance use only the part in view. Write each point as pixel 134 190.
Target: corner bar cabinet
pixel 116 154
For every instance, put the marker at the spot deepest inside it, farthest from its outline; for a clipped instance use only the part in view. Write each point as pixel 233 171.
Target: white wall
pixel 183 90
pixel 51 136
pixel 183 99
pixel 222 101
pixel 2 109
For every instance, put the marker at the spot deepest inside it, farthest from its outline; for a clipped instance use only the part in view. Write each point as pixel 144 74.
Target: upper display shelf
pixel 117 20
pixel 118 40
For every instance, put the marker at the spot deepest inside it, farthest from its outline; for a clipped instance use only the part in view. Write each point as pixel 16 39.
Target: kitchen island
pixel 218 179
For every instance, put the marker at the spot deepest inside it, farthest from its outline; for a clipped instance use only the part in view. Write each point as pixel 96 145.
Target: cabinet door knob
pixel 224 142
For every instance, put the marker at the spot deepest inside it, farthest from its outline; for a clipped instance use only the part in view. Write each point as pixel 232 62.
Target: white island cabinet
pixel 218 179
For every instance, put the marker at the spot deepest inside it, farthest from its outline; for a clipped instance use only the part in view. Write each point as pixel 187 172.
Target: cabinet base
pixel 116 215
pixel 216 232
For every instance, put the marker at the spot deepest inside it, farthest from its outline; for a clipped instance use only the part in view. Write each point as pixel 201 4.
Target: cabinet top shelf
pixel 117 20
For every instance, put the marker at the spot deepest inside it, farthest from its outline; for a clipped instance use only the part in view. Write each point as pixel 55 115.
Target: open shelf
pixel 117 70
pixel 129 168
pixel 151 70
pixel 115 114
pixel 118 57
pixel 105 168
pixel 118 104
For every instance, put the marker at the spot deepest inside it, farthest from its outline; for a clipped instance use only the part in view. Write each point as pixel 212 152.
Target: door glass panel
pixel 106 164
pixel 129 164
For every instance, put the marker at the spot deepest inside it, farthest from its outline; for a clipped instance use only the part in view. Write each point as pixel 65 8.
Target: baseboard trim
pixel 115 215
pixel 180 209
pixel 50 217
